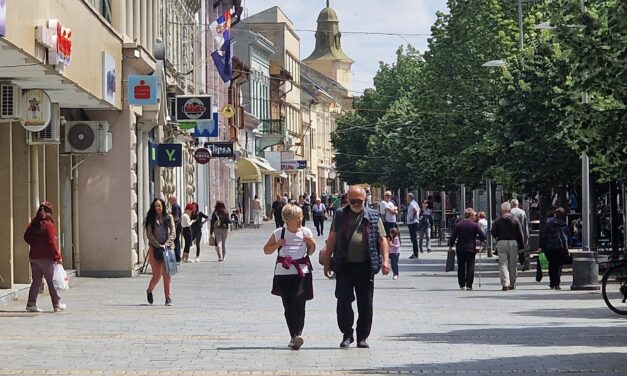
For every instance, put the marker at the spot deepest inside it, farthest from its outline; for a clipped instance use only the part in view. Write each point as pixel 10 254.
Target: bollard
pixel 585 271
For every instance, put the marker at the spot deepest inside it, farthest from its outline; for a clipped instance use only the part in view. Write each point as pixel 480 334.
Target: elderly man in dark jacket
pixel 509 242
pixel 554 240
pixel 466 233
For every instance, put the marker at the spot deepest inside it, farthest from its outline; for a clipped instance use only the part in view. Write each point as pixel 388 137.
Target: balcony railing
pixel 273 126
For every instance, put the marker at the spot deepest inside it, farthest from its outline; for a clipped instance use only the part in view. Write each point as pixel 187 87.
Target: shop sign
pixel 108 78
pixel 193 108
pixel 220 149
pixel 35 110
pixel 58 40
pixel 142 90
pixel 202 156
pixel 207 128
pixel 152 154
pixel 170 155
pixel 3 17
pixel 288 165
pixel 228 111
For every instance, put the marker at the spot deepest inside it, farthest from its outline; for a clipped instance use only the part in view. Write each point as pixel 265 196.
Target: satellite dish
pixel 81 136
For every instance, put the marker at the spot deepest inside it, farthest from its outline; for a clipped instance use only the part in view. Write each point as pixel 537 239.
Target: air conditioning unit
pixel 52 133
pixel 10 96
pixel 87 137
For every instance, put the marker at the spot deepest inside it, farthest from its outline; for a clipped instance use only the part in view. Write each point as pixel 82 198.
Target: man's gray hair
pixel 411 195
pixel 506 207
pixel 514 202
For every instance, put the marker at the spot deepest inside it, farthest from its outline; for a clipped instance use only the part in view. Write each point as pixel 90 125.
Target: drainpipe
pixel 34 176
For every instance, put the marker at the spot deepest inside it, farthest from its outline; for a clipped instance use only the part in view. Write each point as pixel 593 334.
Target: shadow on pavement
pixel 580 313
pixel 598 364
pixel 273 348
pixel 549 295
pixel 544 336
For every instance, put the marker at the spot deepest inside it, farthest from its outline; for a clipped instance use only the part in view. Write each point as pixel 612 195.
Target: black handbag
pixel 158 253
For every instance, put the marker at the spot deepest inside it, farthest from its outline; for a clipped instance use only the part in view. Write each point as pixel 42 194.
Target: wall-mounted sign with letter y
pixel 170 155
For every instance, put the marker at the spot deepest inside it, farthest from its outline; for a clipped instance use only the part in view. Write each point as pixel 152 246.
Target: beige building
pixel 101 192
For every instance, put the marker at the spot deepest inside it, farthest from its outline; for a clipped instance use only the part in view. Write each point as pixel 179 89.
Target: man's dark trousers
pixel 413 230
pixel 354 280
pixel 465 268
pixel 388 226
pixel 177 242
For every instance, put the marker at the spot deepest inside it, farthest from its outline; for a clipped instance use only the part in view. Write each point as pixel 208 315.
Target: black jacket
pixel 508 228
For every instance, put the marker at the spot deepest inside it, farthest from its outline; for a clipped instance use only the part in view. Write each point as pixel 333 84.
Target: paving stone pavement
pixel 226 322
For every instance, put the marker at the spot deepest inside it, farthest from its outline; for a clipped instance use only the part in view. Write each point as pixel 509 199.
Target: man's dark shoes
pixel 363 344
pixel 512 287
pixel 149 297
pixel 347 342
pixel 413 256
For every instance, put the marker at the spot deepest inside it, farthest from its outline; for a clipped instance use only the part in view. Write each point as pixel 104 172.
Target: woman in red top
pixel 41 235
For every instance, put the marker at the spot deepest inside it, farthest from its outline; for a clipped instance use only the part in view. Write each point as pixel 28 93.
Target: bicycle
pixel 614 286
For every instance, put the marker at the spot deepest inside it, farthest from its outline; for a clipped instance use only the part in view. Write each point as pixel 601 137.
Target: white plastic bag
pixel 60 279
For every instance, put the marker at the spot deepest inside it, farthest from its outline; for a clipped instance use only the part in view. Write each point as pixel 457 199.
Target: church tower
pixel 328 57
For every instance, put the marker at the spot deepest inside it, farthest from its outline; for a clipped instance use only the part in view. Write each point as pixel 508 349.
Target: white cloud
pixel 391 16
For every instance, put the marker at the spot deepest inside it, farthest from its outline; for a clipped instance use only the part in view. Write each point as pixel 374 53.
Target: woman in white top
pixel 257 211
pixel 186 223
pixel 292 273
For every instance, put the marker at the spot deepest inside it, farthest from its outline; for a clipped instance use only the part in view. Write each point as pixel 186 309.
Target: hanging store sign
pixel 202 156
pixel 192 108
pixel 3 18
pixel 207 128
pixel 170 155
pixel 288 165
pixel 228 111
pixel 35 110
pixel 58 40
pixel 142 90
pixel 220 149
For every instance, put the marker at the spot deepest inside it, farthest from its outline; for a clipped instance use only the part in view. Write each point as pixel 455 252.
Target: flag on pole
pixel 221 32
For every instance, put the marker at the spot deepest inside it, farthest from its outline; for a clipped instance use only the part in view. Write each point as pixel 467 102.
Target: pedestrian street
pixel 225 321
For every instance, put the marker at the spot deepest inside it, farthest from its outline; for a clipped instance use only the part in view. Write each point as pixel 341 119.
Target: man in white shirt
pixel 413 212
pixel 524 223
pixel 388 212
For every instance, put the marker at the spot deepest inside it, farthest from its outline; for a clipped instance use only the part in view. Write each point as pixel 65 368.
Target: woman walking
pixel 292 273
pixel 160 232
pixel 198 220
pixel 41 235
pixel 319 212
pixel 466 233
pixel 220 228
pixel 186 224
pixel 554 244
pixel 257 211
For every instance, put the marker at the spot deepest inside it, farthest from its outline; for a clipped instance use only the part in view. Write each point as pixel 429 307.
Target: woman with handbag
pixel 319 212
pixel 41 235
pixel 160 231
pixel 292 273
pixel 220 228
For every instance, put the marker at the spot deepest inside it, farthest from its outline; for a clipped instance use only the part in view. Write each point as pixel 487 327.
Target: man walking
pixel 356 251
pixel 277 208
pixel 388 211
pixel 425 220
pixel 465 234
pixel 509 242
pixel 521 215
pixel 413 211
pixel 176 213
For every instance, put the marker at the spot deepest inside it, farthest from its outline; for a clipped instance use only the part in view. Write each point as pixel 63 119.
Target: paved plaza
pixel 225 321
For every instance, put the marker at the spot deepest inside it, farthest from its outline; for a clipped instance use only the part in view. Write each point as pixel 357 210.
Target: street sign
pixel 170 155
pixel 193 108
pixel 142 90
pixel 287 165
pixel 220 149
pixel 36 108
pixel 202 156
pixel 207 128
pixel 228 111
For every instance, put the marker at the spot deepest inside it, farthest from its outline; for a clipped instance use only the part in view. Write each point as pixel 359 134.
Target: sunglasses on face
pixel 356 201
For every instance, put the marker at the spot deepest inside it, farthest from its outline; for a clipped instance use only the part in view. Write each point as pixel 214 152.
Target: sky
pixel 385 16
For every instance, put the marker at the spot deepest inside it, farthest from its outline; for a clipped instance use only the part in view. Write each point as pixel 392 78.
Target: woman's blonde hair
pixel 292 212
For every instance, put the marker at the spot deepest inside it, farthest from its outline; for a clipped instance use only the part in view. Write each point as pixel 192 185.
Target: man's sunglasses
pixel 356 202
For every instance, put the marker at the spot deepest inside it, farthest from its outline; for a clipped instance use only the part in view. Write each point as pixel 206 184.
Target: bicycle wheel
pixel 614 287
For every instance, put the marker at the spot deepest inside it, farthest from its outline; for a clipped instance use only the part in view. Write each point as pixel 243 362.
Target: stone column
pixel 150 39
pixel 129 18
pixel 119 15
pixel 22 210
pixel 143 22
pixel 6 206
pixel 136 24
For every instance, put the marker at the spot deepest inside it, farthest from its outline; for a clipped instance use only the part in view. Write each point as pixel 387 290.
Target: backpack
pixel 556 236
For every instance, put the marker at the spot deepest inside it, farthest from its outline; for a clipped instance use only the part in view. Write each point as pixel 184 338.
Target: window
pixel 103 7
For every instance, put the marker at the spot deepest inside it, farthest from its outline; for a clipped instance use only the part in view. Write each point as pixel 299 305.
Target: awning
pixel 250 170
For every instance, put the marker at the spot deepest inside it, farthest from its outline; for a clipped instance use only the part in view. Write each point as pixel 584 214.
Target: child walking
pixel 395 250
pixel 292 273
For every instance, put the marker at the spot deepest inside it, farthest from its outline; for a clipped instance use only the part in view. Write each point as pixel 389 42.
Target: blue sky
pixel 390 16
